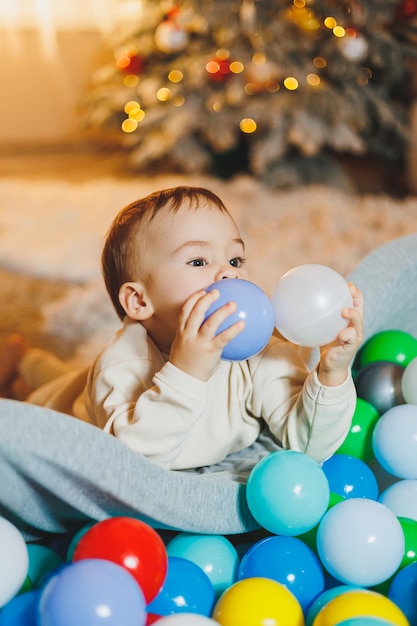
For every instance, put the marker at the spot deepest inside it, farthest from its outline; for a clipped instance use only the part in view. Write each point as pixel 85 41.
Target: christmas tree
pixel 271 87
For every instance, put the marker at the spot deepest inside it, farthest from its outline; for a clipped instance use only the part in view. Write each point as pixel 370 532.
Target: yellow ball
pixel 256 602
pixel 359 603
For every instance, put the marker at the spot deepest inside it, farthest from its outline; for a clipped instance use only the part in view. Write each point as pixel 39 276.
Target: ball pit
pixel 241 585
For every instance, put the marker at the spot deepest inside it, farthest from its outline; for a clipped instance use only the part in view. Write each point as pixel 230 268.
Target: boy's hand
pixel 336 357
pixel 196 348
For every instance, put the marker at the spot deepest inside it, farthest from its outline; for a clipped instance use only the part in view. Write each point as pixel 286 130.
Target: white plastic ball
pixel 401 498
pixel 14 561
pixel 186 619
pixel 394 441
pixel 308 301
pixel 409 382
pixel 360 542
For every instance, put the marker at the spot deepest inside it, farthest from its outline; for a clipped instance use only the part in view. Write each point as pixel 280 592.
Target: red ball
pixel 130 64
pixel 219 69
pixel 132 544
pixel 407 9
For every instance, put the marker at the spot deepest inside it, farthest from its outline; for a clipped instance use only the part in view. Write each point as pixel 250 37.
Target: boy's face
pixel 186 252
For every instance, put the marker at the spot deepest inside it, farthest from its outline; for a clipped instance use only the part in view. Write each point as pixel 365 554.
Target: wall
pixel 48 50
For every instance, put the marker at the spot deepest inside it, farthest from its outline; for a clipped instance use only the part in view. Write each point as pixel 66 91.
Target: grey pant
pixel 57 473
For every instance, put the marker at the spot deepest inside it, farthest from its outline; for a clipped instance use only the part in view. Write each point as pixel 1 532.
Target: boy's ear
pixel 133 299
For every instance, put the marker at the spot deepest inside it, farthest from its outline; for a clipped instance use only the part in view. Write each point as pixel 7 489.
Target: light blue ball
pixel 287 493
pixel 253 307
pixel 216 555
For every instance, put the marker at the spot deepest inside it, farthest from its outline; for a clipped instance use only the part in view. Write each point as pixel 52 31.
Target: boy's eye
pixel 197 263
pixel 237 261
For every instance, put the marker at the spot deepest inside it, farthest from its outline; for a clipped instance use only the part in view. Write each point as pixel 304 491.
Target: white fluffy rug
pixel 55 229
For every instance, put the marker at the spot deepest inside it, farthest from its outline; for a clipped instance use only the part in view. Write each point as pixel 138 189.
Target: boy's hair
pixel 120 256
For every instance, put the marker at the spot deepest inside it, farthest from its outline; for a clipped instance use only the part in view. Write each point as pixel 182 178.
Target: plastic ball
pixel 93 592
pixel 396 346
pixel 358 441
pixel 288 561
pixel 350 477
pixel 409 527
pixel 401 498
pixel 394 441
pixel 379 383
pixel 253 307
pixel 69 555
pixel 287 493
pixel 41 561
pixel 187 589
pixel 21 610
pixel 130 543
pixel 215 554
pixel 403 592
pixel 257 602
pixel 360 542
pixel 308 301
pixel 186 619
pixel 359 603
pixel 365 621
pixel 409 382
pixel 14 561
pixel 323 599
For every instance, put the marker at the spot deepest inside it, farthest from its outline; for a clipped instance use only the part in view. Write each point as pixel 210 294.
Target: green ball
pixel 409 527
pixel 358 441
pixel 395 346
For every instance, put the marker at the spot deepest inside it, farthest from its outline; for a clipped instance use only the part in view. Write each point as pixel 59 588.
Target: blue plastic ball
pixel 253 307
pixel 187 589
pixel 287 493
pixel 403 591
pixel 288 561
pixel 350 477
pixel 93 592
pixel 21 610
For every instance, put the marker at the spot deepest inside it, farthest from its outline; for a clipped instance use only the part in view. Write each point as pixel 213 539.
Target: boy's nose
pixel 227 272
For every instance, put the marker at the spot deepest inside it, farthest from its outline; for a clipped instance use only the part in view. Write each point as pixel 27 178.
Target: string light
pixel 291 83
pixel 175 76
pixel 236 67
pixel 164 94
pixel 248 125
pixel 129 125
pixel 313 80
pixel 339 31
pixel 131 80
pixel 319 62
pixel 330 23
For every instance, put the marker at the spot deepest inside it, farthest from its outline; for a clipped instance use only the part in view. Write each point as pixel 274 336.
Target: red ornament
pixel 407 9
pixel 218 69
pixel 132 544
pixel 130 63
